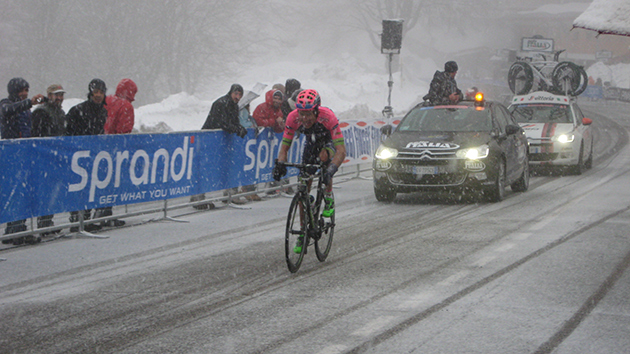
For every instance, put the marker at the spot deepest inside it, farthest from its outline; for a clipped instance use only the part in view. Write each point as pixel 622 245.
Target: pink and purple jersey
pixel 326 127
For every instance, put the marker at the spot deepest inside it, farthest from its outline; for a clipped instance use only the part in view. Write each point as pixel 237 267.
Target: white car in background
pixel 557 131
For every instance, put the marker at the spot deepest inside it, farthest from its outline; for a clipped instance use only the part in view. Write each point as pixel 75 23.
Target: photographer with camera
pixel 15 118
pixel 15 123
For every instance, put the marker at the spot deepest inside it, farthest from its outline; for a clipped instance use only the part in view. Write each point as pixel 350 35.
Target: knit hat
pixel 56 88
pixel 16 85
pixel 450 67
pixel 278 93
pixel 97 84
pixel 291 86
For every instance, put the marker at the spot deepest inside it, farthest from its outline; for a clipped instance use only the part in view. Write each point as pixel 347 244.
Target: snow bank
pixel 606 16
pixel 617 74
pixel 353 88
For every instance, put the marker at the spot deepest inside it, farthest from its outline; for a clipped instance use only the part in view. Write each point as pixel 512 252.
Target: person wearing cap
pixel 88 118
pixel 443 89
pixel 49 119
pixel 15 123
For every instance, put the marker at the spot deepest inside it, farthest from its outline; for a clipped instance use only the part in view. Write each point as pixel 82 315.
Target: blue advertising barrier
pixel 593 92
pixel 42 176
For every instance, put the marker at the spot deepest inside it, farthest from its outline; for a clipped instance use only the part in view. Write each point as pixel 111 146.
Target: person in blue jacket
pixel 15 123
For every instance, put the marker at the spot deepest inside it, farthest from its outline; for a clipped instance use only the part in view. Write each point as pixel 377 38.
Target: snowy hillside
pixel 353 89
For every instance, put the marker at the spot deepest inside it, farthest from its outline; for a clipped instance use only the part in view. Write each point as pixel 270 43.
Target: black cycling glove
pixel 242 131
pixel 279 170
pixel 329 173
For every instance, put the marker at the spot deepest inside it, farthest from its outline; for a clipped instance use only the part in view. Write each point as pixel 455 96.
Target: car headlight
pixel 565 138
pixel 475 153
pixel 384 152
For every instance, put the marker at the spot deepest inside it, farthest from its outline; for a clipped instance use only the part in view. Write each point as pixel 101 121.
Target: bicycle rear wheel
pixel 295 228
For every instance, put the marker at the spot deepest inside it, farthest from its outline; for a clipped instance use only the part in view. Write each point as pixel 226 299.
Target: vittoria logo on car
pixel 431 145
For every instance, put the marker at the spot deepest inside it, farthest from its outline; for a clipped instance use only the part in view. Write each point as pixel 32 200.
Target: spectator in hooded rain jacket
pixel 88 118
pixel 120 120
pixel 224 114
pixel 269 113
pixel 15 123
pixel 49 120
pixel 120 113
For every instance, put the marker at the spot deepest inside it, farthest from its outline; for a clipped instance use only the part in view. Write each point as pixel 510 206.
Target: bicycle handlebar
pixel 303 166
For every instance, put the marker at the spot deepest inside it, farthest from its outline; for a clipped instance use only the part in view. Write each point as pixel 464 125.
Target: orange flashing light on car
pixel 479 101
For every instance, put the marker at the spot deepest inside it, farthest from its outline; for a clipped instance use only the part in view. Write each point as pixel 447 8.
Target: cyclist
pixel 324 142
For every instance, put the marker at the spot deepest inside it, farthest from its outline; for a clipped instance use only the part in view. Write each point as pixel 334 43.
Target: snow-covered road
pixel 541 271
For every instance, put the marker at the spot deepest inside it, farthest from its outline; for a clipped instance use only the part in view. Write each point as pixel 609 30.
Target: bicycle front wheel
pixel 327 230
pixel 296 238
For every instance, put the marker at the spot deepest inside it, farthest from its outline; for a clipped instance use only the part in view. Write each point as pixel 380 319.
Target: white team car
pixel 557 131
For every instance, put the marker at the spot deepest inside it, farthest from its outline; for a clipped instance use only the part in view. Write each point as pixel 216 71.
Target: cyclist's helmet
pixel 308 100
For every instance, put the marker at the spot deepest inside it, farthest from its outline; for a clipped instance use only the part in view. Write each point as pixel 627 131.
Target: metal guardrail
pixel 349 172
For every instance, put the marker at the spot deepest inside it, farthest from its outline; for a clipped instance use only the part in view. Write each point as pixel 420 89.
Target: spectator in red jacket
pixel 120 120
pixel 120 116
pixel 268 113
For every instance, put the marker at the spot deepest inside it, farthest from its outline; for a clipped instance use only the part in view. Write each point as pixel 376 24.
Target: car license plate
pixel 425 170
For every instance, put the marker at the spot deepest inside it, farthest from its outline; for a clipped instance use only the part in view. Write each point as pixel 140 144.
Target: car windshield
pixel 455 119
pixel 530 113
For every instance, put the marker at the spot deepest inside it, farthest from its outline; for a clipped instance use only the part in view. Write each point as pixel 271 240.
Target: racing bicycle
pixel 562 78
pixel 306 225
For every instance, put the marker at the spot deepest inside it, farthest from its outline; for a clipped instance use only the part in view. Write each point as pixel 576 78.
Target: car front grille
pixel 543 156
pixel 442 179
pixel 447 168
pixel 427 154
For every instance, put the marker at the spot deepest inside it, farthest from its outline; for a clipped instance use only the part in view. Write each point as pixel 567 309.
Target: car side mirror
pixel 387 129
pixel 587 121
pixel 512 129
